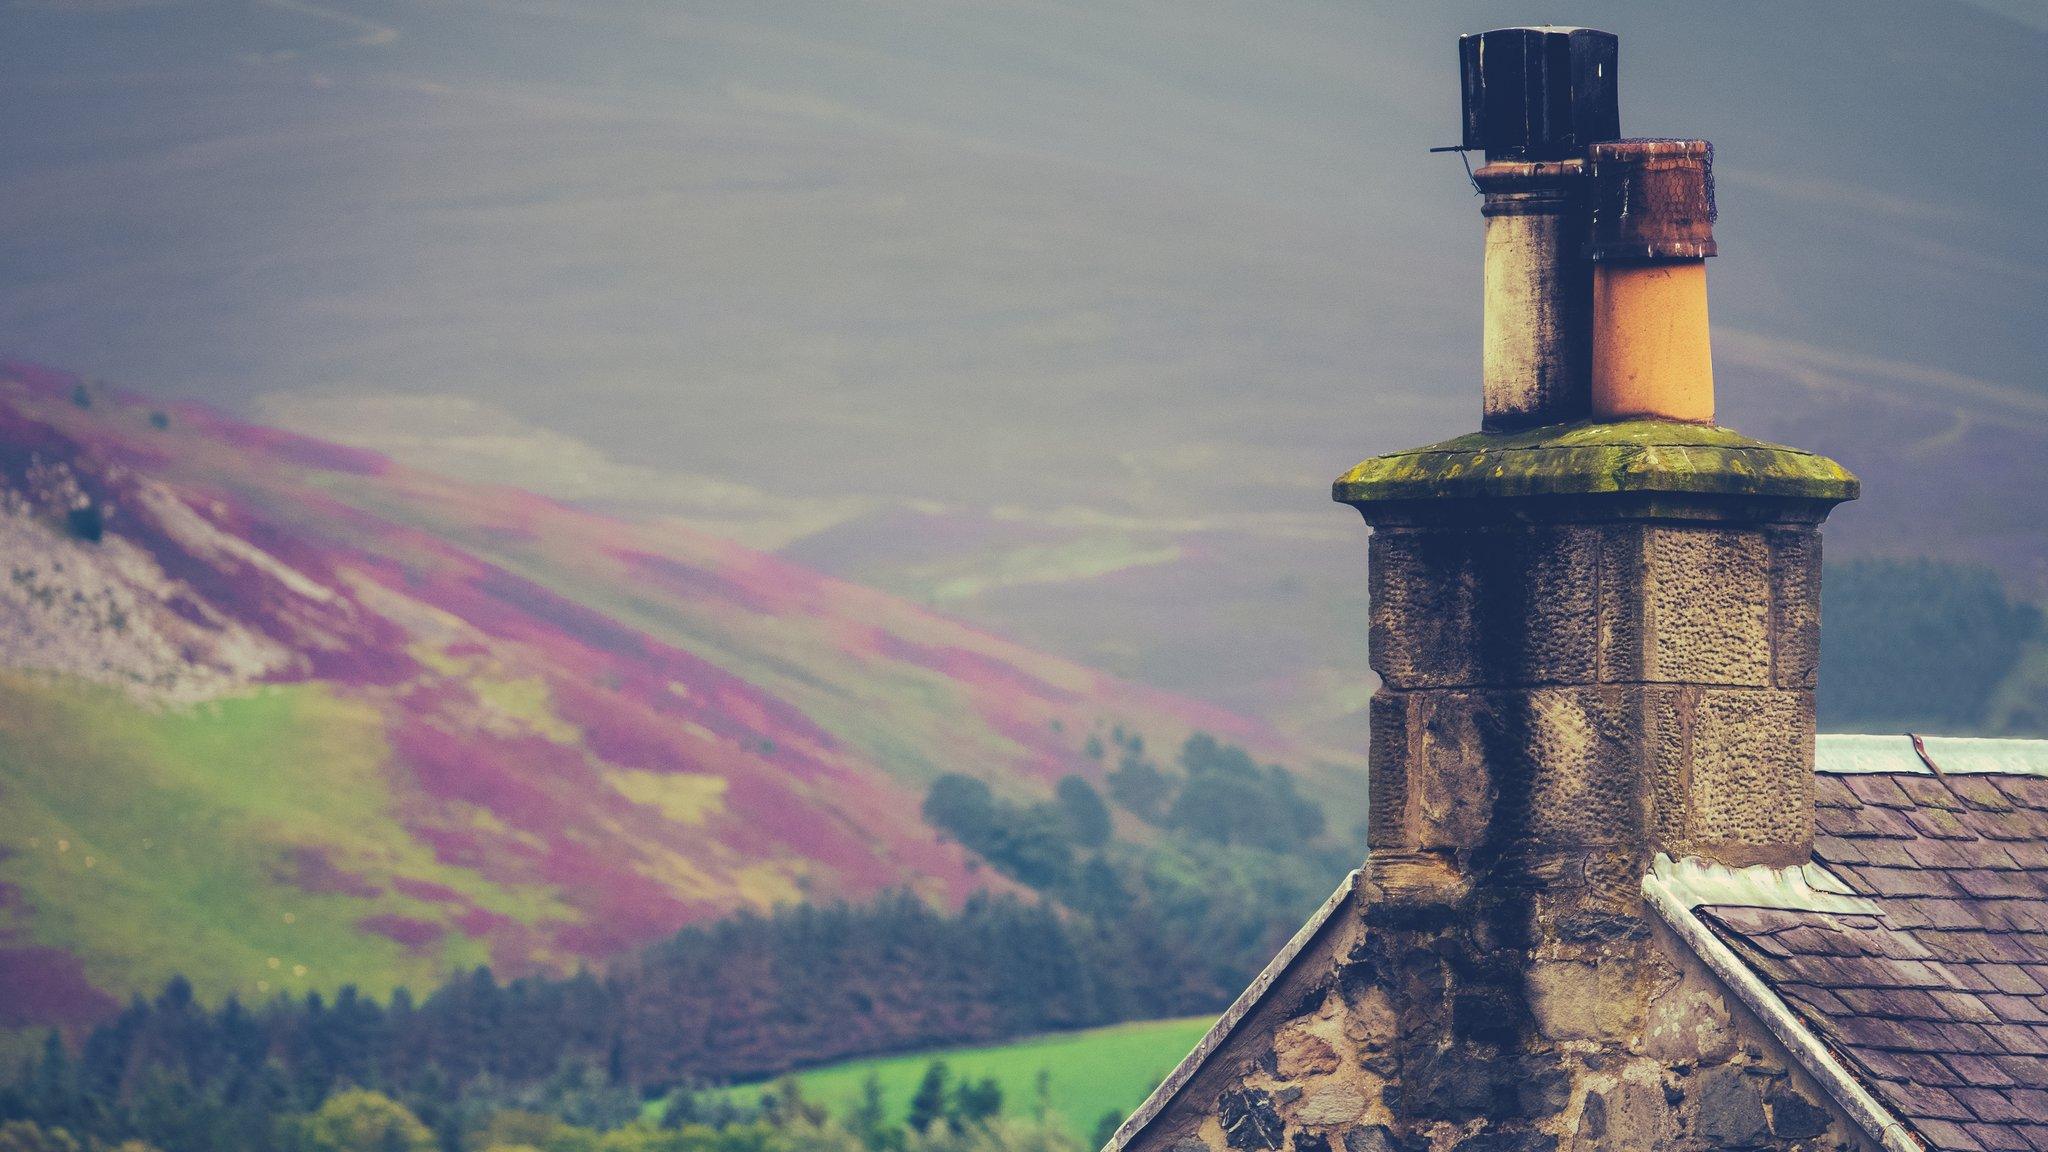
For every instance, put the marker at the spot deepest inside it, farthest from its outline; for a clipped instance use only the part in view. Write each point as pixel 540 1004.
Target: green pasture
pixel 1087 1073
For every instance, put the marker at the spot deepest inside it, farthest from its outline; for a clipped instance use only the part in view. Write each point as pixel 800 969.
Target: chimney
pixel 1596 621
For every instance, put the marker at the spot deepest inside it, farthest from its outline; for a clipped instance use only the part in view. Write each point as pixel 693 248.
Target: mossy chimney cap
pixel 1539 93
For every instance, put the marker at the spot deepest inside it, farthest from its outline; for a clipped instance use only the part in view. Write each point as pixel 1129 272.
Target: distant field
pixel 1091 1072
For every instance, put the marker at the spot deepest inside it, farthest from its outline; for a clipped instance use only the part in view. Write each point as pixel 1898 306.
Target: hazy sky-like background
pixel 1061 316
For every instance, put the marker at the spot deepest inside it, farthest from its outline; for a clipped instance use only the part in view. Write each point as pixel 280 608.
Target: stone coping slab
pixel 1589 458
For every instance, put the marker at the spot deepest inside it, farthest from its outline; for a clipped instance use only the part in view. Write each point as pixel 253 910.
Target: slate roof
pixel 1936 999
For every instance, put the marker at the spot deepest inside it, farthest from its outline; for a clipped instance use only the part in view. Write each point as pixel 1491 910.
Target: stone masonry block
pixel 1573 757
pixel 1795 607
pixel 1686 605
pixel 1450 786
pixel 1502 606
pixel 1538 605
pixel 1752 776
pixel 1667 723
pixel 1623 626
pixel 1387 771
pixel 1423 590
pixel 1556 767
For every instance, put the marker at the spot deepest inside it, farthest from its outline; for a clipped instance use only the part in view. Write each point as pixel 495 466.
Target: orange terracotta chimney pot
pixel 1652 230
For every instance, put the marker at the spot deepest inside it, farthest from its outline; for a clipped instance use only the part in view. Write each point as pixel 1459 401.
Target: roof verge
pixel 1666 894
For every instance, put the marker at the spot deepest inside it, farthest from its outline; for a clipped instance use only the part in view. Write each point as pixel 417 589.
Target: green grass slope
pixel 1087 1073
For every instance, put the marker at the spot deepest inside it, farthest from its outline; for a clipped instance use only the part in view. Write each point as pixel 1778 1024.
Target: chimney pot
pixel 1652 229
pixel 1652 199
pixel 1539 93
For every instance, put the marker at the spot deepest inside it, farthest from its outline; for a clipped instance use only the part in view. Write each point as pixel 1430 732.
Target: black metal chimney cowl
pixel 1538 93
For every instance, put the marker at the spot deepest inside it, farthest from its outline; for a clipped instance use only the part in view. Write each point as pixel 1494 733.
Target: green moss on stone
pixel 1588 458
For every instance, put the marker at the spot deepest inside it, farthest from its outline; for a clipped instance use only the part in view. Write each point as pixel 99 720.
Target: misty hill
pixel 1057 317
pixel 279 715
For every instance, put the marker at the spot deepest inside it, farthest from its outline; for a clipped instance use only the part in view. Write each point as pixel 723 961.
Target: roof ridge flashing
pixel 1808 887
pixel 1855 754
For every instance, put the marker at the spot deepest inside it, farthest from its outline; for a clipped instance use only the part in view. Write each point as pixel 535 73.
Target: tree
pixel 28 1136
pixel 977 1101
pixel 1087 817
pixel 1229 799
pixel 1028 842
pixel 784 1105
pixel 362 1121
pixel 1106 1127
pixel 928 1103
pixel 870 1117
pixel 961 806
pixel 1138 784
pixel 1917 644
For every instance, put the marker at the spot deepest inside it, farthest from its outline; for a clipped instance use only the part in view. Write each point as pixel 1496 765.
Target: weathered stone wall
pixel 1418 1028
pixel 1632 687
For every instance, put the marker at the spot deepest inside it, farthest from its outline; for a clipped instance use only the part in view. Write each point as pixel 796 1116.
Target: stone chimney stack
pixel 1596 622
pixel 1597 635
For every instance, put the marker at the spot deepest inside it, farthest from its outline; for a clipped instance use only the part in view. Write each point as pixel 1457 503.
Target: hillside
pixel 281 715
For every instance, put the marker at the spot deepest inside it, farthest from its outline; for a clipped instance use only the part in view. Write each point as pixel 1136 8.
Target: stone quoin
pixel 1618 894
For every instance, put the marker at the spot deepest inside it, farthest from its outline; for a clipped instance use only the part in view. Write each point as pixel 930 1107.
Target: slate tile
pixel 1897 1036
pixel 2027 853
pixel 1830 792
pixel 1970 977
pixel 1998 1138
pixel 1895 945
pixel 1841 850
pixel 1964 1006
pixel 1751 922
pixel 2023 1069
pixel 1938 913
pixel 1944 1135
pixel 1975 1069
pixel 1945 853
pixel 2022 791
pixel 2022 1039
pixel 1925 1100
pixel 1938 823
pixel 2014 1009
pixel 1908 881
pixel 1979 792
pixel 1989 883
pixel 1880 789
pixel 1918 1067
pixel 2009 978
pixel 1949 1036
pixel 1927 792
pixel 1990 1104
pixel 1893 1003
pixel 1818 1001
